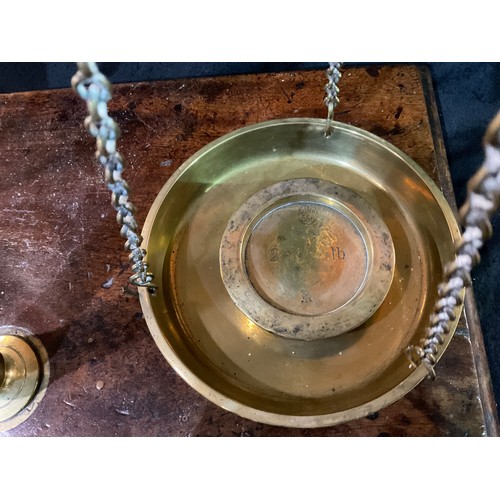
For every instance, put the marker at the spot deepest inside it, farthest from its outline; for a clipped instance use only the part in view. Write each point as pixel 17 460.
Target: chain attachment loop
pixel 94 88
pixel 483 199
pixel 331 99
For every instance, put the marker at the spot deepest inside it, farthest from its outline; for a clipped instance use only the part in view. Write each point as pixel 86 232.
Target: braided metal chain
pixel 331 88
pixel 482 201
pixel 94 88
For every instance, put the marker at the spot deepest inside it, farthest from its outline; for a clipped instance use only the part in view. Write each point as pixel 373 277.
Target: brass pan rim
pixel 270 418
pixel 448 212
pixel 231 404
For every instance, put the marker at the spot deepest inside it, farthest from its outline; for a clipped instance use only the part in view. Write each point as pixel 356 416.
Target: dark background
pixel 468 96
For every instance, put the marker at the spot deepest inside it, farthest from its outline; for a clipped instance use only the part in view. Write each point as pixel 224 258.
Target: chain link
pixel 331 99
pixel 94 88
pixel 482 201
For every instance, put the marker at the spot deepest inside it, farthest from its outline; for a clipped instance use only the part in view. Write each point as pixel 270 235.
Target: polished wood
pixel 64 273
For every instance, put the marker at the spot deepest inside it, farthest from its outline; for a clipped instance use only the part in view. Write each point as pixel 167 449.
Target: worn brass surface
pixel 307 259
pixel 23 375
pixel 225 355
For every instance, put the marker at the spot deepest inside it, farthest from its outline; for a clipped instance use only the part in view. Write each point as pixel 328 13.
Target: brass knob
pixel 23 375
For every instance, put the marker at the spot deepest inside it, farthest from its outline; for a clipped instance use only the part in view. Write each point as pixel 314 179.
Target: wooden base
pixel 66 274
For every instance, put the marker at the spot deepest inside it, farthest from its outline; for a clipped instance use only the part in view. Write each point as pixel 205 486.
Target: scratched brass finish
pixel 225 355
pixel 307 259
pixel 23 375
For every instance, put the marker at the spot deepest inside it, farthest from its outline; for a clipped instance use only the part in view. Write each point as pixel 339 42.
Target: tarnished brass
pixel 307 259
pixel 199 321
pixel 24 373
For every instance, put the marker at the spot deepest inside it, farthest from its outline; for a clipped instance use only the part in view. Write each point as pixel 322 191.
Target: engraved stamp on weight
pixel 308 214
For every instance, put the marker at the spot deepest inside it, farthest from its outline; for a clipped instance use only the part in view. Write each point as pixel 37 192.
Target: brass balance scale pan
pixel 293 270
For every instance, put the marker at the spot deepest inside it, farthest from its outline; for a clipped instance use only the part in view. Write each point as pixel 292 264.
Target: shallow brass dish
pixel 218 349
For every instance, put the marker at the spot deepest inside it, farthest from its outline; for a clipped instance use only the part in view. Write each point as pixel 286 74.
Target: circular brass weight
pixel 23 375
pixel 307 259
pixel 293 270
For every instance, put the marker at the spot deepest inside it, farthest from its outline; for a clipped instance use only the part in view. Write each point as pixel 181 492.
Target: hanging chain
pixel 482 201
pixel 94 88
pixel 331 100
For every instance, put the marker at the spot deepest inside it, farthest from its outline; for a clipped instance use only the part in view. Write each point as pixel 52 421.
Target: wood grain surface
pixel 65 273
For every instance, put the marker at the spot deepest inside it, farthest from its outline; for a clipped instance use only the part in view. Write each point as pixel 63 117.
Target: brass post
pixel 23 375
